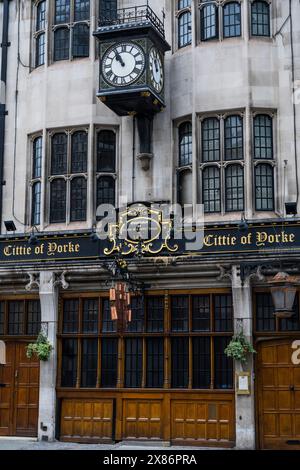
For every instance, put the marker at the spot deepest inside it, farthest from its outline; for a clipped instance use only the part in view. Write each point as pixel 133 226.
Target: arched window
pixel 211 184
pixel 59 157
pixel 209 22
pixel 264 187
pixel 185 194
pixel 260 18
pixel 211 140
pixel 263 137
pixel 78 199
pixel 106 190
pixel 40 33
pixel 106 151
pixel 234 138
pixel 58 198
pixel 231 20
pixel 37 157
pixel 185 144
pixel 184 23
pixel 234 192
pixel 79 152
pixel 36 204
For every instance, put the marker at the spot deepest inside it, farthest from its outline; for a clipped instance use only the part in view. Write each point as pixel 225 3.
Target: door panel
pixel 142 419
pixel 20 398
pixel 7 391
pixel 278 396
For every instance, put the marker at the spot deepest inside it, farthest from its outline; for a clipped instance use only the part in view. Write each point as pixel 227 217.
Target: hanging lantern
pixel 283 290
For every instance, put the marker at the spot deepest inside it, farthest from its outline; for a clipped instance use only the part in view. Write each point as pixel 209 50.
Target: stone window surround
pixel 248 163
pixel 92 175
pixel 94 13
pixel 195 8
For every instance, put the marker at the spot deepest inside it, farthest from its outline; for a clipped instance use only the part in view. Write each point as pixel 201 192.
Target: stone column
pixel 49 316
pixel 245 404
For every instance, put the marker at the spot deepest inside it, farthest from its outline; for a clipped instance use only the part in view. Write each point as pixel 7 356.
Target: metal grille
pixel 234 176
pixel 137 309
pixel 180 313
pixel 201 313
pixel 61 44
pixel 265 319
pixel 62 11
pixel 106 193
pixel 185 144
pixel 58 201
pixel 108 326
pixel 223 312
pixel 223 364
pixel 155 362
pixel 40 50
pixel 184 29
pixel 180 362
pixel 211 140
pixel 155 314
pixel 90 315
pixel 81 10
pixel 89 363
pixel 133 362
pixel 201 362
pixel 260 18
pixel 234 138
pixel 263 137
pixel 78 199
pixel 106 151
pixel 79 152
pixel 16 318
pixel 69 363
pixel 231 20
pixel 81 40
pixel 2 318
pixel 264 187
pixel 59 157
pixel 209 22
pixel 71 316
pixel 211 189
pixel 109 362
pixel 33 317
pixel 36 204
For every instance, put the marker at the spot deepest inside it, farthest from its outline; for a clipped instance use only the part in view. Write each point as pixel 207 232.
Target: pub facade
pixel 110 104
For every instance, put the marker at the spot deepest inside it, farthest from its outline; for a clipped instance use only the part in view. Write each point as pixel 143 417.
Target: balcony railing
pixel 133 15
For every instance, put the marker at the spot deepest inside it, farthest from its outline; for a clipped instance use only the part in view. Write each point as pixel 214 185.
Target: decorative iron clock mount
pixel 132 48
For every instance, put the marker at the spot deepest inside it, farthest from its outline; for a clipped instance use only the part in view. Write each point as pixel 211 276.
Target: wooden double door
pixel 278 394
pixel 19 392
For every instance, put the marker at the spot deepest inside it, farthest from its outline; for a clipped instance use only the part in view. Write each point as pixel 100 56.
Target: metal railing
pixel 127 16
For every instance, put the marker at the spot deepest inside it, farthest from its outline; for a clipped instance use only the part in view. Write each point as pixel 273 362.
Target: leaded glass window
pixel 264 187
pixel 209 22
pixel 106 190
pixel 211 140
pixel 260 18
pixel 234 145
pixel 36 204
pixel 40 33
pixel 58 200
pixel 106 151
pixel 263 137
pixel 211 189
pixel 79 152
pixel 184 29
pixel 231 20
pixel 185 144
pixel 234 184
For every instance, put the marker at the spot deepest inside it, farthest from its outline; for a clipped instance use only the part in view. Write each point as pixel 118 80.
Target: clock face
pixel 156 69
pixel 123 64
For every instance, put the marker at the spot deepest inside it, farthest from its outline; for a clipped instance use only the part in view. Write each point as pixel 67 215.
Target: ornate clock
pixel 132 49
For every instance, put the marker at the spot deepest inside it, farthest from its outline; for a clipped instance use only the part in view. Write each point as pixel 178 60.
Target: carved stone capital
pixel 34 281
pixel 225 272
pixel 59 279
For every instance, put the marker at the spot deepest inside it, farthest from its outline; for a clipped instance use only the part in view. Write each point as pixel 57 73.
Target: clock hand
pixel 156 65
pixel 119 59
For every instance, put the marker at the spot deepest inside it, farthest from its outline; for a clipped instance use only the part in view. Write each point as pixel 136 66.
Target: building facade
pixel 227 139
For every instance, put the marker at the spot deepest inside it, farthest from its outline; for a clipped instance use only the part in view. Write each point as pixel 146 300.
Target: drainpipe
pixel 4 45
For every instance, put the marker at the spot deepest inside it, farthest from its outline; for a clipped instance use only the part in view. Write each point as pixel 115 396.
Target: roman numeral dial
pixel 123 64
pixel 156 70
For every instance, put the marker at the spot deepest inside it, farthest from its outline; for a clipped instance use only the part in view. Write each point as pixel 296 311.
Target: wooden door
pixel 19 393
pixel 279 394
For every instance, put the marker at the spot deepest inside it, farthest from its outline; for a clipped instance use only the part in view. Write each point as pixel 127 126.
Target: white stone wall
pixel 224 75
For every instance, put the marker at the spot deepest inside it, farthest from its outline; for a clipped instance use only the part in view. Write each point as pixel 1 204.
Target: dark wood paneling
pixel 278 398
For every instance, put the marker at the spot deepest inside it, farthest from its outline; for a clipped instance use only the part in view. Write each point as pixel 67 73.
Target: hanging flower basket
pixel 41 348
pixel 239 348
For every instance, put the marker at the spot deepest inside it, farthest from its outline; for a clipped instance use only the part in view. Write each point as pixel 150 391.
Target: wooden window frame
pixel 144 335
pixel 25 301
